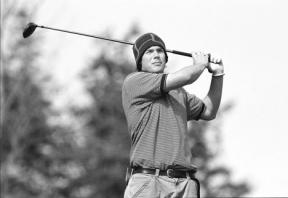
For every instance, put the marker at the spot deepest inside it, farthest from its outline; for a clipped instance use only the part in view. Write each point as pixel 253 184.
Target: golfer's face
pixel 153 60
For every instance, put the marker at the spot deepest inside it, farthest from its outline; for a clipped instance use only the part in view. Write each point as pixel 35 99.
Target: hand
pixel 200 58
pixel 215 69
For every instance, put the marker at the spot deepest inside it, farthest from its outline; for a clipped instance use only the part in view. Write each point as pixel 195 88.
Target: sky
pixel 250 37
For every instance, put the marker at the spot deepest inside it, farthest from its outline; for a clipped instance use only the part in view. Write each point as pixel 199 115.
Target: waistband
pixel 172 173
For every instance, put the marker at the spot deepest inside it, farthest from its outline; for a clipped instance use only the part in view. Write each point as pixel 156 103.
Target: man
pixel 157 109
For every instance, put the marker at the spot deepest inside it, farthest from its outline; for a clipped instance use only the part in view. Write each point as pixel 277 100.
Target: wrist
pixel 218 73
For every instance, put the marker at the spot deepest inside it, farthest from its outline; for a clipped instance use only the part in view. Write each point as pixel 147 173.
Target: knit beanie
pixel 143 43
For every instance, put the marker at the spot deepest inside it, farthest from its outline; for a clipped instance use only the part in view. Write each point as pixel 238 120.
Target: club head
pixel 29 29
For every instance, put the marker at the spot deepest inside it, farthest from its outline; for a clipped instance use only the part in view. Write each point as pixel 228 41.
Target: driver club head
pixel 29 29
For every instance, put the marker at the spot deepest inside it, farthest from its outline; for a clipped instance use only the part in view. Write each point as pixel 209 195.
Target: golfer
pixel 157 109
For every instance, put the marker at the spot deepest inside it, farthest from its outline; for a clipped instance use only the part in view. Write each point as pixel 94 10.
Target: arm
pixel 188 74
pixel 213 98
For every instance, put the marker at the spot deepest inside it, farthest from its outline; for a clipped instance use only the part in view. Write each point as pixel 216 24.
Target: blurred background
pixel 63 131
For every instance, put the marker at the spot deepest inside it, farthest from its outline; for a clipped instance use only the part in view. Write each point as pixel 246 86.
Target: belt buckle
pixel 170 173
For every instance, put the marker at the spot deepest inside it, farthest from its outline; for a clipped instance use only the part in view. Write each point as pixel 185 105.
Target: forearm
pixel 185 76
pixel 213 99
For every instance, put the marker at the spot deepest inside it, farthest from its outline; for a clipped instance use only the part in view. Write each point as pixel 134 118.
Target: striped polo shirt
pixel 157 121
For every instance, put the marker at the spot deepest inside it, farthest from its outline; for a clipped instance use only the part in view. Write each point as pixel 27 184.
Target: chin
pixel 159 69
pixel 154 69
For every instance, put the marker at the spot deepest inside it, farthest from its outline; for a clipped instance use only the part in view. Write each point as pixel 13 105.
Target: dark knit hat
pixel 143 43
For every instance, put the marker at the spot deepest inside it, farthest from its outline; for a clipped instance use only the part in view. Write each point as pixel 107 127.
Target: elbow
pixel 209 116
pixel 211 110
pixel 213 114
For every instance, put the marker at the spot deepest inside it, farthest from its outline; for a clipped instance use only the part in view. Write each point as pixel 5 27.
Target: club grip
pixel 190 55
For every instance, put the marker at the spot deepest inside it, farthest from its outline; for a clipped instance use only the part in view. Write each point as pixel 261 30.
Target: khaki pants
pixel 152 186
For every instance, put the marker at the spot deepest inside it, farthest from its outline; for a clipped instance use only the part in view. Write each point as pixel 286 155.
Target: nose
pixel 156 54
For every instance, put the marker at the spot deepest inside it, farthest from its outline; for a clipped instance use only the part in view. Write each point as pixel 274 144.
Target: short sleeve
pixel 195 107
pixel 145 85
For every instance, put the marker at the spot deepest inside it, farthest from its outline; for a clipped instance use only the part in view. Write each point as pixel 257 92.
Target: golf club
pixel 31 27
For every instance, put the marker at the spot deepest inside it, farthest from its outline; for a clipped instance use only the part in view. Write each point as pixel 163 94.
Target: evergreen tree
pixel 34 154
pixel 43 160
pixel 215 178
pixel 106 153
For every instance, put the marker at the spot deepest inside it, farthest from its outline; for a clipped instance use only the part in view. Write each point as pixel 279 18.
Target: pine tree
pixel 34 154
pixel 215 178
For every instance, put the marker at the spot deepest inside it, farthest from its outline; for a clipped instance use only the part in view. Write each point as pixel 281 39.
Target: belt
pixel 172 173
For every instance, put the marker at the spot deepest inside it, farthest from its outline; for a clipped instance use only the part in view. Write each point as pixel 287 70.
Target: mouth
pixel 157 63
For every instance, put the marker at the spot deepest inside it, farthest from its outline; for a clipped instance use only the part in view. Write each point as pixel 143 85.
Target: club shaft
pixel 115 40
pixel 82 34
pixel 107 39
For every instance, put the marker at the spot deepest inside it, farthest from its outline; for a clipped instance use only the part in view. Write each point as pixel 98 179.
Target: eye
pixel 160 50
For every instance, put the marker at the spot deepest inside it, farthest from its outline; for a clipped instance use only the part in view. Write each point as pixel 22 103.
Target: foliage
pixel 40 159
pixel 215 178
pixel 34 154
pixel 107 139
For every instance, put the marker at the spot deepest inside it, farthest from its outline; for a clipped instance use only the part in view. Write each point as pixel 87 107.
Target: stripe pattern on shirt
pixel 157 121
